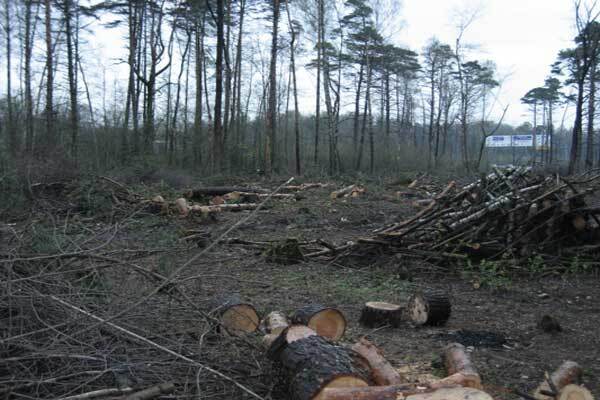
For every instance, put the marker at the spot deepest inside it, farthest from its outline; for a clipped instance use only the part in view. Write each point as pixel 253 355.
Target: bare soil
pixel 485 303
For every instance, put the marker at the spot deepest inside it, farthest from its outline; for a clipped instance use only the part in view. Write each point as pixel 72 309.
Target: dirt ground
pixel 504 310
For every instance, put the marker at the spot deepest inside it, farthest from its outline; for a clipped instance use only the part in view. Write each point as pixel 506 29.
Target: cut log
pixel 352 191
pixel 222 207
pixel 210 191
pixel 574 392
pixel 313 364
pixel 459 367
pixel 452 394
pixel 152 392
pixel 376 314
pixel 326 321
pixel 382 372
pixel 182 206
pixel 304 186
pixel 429 308
pixel 274 323
pixel 407 392
pixel 568 373
pixel 248 197
pixel 235 317
pixel 274 343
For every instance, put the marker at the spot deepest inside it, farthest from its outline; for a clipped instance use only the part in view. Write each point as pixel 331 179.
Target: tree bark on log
pixel 222 207
pixel 152 392
pixel 376 314
pixel 459 367
pixel 274 343
pixel 406 392
pixel 313 364
pixel 235 316
pixel 568 373
pixel 352 191
pixel 326 321
pixel 382 372
pixel 219 191
pixel 429 308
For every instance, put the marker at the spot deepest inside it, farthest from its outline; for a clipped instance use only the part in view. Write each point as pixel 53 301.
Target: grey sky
pixel 523 37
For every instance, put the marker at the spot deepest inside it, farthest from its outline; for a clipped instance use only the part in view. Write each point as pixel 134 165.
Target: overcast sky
pixel 523 37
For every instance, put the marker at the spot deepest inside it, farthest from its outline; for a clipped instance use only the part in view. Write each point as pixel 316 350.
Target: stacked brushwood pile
pixel 510 214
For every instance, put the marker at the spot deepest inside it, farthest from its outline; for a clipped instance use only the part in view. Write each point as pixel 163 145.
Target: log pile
pixel 511 213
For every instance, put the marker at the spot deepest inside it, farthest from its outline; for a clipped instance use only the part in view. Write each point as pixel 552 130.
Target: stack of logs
pixel 510 213
pixel 306 351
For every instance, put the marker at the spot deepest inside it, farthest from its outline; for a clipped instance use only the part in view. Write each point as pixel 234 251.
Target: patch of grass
pixel 46 240
pixel 576 266
pixel 157 231
pixel 371 286
pixel 489 274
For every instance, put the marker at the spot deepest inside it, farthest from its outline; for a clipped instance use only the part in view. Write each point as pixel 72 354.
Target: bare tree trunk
pixel 356 116
pixel 218 145
pixel 188 39
pixel 49 110
pixel 272 100
pixel 371 139
pixel 365 115
pixel 10 123
pixel 577 128
pixel 28 96
pixel 236 114
pixel 228 73
pixel 318 104
pixel 199 44
pixel 72 74
pixel 589 157
pixel 431 115
pixel 295 91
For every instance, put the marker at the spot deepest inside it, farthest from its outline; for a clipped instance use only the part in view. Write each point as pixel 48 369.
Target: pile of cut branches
pixel 511 214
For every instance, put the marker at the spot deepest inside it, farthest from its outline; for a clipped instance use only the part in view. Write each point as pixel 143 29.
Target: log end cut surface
pixel 347 382
pixel 329 323
pixel 575 392
pixel 240 319
pixel 429 308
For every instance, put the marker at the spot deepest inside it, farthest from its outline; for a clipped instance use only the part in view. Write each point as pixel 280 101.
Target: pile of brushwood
pixel 512 214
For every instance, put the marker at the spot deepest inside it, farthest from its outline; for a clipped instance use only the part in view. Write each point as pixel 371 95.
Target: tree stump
pixel 326 321
pixel 235 317
pixel 429 308
pixel 376 314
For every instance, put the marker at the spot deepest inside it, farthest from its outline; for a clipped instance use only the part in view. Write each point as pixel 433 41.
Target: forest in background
pixel 212 87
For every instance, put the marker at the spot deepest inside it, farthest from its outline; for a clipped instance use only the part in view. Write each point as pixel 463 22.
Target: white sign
pixel 542 141
pixel 522 140
pixel 498 141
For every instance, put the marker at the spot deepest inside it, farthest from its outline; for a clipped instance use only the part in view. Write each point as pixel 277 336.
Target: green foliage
pixel 489 274
pixel 46 240
pixel 576 266
pixel 536 265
